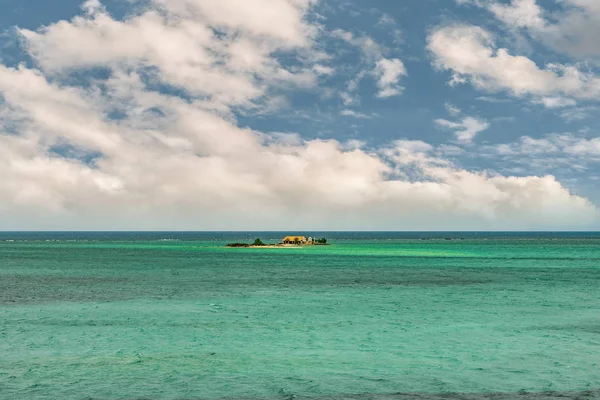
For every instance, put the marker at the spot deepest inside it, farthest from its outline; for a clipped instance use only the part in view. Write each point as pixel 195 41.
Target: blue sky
pixel 467 114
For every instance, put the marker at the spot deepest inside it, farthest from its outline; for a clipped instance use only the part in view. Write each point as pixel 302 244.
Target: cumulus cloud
pixel 520 13
pixel 355 114
pixel 570 156
pixel 366 44
pixel 564 144
pixel 573 30
pixel 452 109
pixel 466 129
pixel 471 54
pixel 178 159
pixel 578 113
pixel 176 43
pixel 389 73
pixel 556 102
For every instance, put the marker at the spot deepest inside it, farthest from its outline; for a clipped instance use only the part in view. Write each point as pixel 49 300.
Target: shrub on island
pixel 257 243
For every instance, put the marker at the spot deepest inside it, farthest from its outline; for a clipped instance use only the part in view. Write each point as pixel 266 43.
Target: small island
pixel 288 241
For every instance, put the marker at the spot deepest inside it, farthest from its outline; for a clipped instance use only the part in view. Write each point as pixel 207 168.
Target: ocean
pixel 167 315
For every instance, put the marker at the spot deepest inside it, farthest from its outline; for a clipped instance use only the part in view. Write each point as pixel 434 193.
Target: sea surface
pixel 372 316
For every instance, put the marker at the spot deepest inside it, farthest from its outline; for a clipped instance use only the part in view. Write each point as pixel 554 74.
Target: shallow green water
pixel 139 316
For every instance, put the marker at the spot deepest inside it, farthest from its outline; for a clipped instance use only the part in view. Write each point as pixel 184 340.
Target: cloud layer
pixel 132 125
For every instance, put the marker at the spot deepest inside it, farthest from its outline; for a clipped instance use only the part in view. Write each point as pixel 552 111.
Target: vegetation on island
pixel 259 243
pixel 238 245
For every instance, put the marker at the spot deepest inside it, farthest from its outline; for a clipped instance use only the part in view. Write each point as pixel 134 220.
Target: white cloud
pixel 452 109
pixel 520 13
pixel 323 70
pixel 572 30
pixel 573 148
pixel 389 24
pixel 489 99
pixel 578 113
pixel 355 114
pixel 184 163
pixel 386 21
pixel 180 44
pixel 347 98
pixel 92 6
pixel 466 129
pixel 371 50
pixel 389 73
pixel 470 53
pixel 556 102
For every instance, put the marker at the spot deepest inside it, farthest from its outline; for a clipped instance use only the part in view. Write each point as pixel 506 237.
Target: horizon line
pixel 299 230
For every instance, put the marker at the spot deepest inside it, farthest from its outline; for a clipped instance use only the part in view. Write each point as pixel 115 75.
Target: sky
pixel 299 114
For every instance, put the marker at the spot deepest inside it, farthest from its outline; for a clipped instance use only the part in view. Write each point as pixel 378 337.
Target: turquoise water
pixel 178 316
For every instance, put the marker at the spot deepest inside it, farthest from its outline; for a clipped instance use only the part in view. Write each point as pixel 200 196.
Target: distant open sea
pixel 375 315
